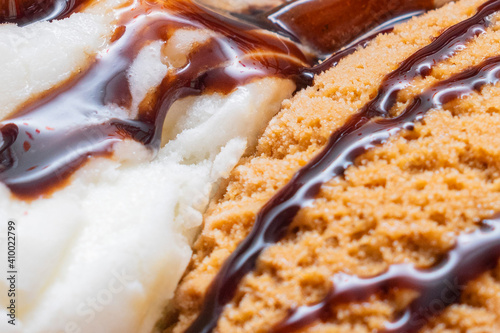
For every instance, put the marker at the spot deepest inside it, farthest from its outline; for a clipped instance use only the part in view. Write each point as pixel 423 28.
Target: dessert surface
pixel 105 188
pixel 404 202
pixel 368 204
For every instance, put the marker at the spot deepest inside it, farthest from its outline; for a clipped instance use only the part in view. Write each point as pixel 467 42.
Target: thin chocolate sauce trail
pixel 473 254
pixel 24 12
pixel 47 140
pixel 354 138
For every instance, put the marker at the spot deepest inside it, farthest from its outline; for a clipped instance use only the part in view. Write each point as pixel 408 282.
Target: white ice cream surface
pixel 62 48
pixel 105 253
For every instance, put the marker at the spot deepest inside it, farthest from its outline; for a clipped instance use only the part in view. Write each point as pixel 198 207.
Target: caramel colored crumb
pixel 404 201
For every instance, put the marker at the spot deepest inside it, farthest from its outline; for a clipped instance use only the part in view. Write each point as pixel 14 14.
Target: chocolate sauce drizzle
pixel 306 76
pixel 24 12
pixel 362 131
pixel 325 26
pixel 47 140
pixel 473 255
pixel 439 286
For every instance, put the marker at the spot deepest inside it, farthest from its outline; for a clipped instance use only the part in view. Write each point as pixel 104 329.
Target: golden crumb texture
pixel 402 202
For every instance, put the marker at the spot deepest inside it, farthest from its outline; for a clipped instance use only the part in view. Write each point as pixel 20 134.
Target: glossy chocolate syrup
pixel 24 12
pixel 438 287
pixel 307 74
pixel 473 255
pixel 328 25
pixel 360 133
pixel 50 138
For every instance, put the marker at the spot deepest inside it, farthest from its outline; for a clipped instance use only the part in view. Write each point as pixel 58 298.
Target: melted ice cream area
pixel 103 252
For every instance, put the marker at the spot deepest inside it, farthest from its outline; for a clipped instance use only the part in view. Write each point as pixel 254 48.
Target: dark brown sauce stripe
pixel 29 11
pixel 326 26
pixel 469 260
pixel 306 76
pixel 439 287
pixel 354 138
pixel 50 138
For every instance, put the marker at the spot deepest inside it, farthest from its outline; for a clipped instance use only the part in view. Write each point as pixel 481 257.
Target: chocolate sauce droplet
pixel 351 140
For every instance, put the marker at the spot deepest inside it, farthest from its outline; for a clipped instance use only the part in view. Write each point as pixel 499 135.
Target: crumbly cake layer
pixel 403 202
